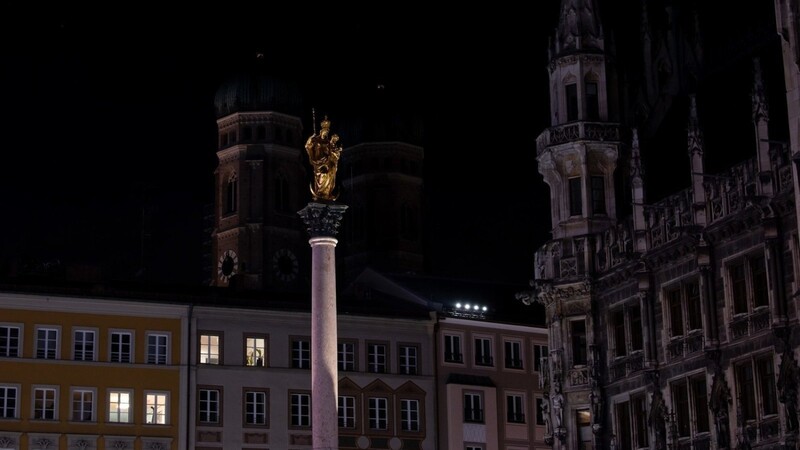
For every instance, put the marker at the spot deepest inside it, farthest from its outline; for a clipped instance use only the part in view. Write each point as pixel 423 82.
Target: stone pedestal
pixel 323 221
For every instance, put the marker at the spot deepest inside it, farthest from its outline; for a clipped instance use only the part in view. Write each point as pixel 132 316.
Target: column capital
pixel 322 219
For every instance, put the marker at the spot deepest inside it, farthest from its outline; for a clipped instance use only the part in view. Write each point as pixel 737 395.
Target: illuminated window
pixel 210 348
pixel 119 406
pixel 255 350
pixel 156 408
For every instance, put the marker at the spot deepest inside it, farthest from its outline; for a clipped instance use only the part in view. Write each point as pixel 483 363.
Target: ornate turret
pixel 579 29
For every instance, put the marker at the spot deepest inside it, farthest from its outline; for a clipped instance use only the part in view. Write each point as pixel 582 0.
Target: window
pixel 408 359
pixel 748 284
pixel 301 410
pixel 82 405
pixel 685 313
pixel 452 348
pixel 579 346
pixel 281 194
pixel 631 422
pixel 598 195
pixel 378 413
pixel 261 132
pixel 247 133
pixel 690 403
pixel 755 383
pixel 121 350
pixel 572 101
pixel 473 409
pixel 409 415
pixel 347 356
pixel 539 352
pixel 474 447
pixel 513 354
pixel 583 420
pixel 301 354
pixel 46 343
pixel 210 348
pixel 119 406
pixel 539 412
pixel 515 411
pixel 347 411
pixel 483 352
pixel 157 348
pixel 626 330
pixel 575 197
pixel 255 349
pixel 8 402
pixel 232 195
pixel 208 406
pixel 255 408
pixel 9 342
pixel 592 101
pixel 156 408
pixel 376 358
pixel 83 345
pixel 44 403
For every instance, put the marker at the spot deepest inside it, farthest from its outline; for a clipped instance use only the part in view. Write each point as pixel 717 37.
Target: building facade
pixel 675 326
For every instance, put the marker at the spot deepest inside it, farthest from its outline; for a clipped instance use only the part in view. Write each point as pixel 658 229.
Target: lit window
pixel 301 354
pixel 83 342
pixel 208 406
pixel 82 405
pixel 378 413
pixel 121 347
pixel 255 408
pixel 209 348
pixel 46 343
pixel 255 351
pixel 409 415
pixel 44 403
pixel 119 406
pixel 301 410
pixel 9 342
pixel 157 345
pixel 156 407
pixel 347 411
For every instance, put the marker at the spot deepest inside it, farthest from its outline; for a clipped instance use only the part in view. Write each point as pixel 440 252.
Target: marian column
pixel 322 217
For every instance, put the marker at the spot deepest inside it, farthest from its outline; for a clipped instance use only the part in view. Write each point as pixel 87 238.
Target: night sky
pixel 108 129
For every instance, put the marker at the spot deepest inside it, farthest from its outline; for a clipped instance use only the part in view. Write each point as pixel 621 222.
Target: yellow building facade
pixel 91 373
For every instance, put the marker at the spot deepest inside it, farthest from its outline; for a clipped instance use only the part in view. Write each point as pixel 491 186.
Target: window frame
pixel 119 391
pixel 201 354
pixel 473 395
pixel 510 362
pixel 255 390
pixel 344 420
pixel 380 416
pixel 166 405
pixel 376 366
pixel 56 345
pixel 54 389
pixel 5 389
pixel 515 407
pixel 5 352
pixel 456 340
pixel 406 415
pixel 543 351
pixel 248 358
pixel 300 414
pixel 205 411
pixel 155 359
pixel 481 359
pixel 684 386
pixel 84 330
pixel 745 260
pixel 572 343
pixel 92 407
pixel 131 346
pixel 404 363
pixel 758 403
pixel 341 355
pixel 297 358
pixel 575 196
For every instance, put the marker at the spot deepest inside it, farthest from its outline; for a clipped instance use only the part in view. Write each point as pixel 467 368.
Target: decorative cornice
pixel 322 219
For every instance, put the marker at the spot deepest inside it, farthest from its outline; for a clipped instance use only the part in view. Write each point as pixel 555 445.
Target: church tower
pixel 260 183
pixel 577 157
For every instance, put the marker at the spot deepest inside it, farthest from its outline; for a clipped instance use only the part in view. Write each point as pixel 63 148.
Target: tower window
pixel 579 343
pixel 598 195
pixel 278 134
pixel 592 101
pixel 575 197
pixel 223 141
pixel 247 133
pixel 281 194
pixel 572 101
pixel 232 137
pixel 231 195
pixel 261 133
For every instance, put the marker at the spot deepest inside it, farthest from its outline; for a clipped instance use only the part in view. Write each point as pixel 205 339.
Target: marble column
pixel 322 221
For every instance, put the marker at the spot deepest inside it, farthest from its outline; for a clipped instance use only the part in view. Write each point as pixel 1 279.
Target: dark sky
pixel 107 117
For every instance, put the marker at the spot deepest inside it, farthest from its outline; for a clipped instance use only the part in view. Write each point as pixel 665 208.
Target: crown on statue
pixel 326 124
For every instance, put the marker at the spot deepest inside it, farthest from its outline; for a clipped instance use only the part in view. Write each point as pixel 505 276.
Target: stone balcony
pixel 577 131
